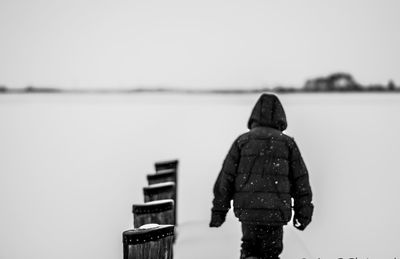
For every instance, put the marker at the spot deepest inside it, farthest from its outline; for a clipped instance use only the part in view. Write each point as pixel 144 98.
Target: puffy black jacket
pixel 263 171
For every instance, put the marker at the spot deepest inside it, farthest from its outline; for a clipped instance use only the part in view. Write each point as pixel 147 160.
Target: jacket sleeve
pixel 300 185
pixel 225 183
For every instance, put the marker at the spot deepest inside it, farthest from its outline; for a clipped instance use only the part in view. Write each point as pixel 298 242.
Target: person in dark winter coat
pixel 262 173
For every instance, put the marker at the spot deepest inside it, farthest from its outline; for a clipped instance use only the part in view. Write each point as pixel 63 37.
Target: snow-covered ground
pixel 72 165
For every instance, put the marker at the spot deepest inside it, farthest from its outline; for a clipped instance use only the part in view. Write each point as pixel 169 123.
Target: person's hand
pixel 300 223
pixel 217 219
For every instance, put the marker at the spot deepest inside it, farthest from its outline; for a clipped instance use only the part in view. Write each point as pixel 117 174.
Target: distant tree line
pixel 29 89
pixel 342 82
pixel 336 82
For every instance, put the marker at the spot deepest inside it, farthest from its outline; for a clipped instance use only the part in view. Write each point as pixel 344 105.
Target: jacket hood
pixel 268 112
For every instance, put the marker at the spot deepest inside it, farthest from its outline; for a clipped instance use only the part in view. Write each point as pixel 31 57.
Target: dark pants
pixel 261 241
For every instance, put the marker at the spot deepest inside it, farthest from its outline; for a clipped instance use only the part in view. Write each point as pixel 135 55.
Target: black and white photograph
pixel 183 129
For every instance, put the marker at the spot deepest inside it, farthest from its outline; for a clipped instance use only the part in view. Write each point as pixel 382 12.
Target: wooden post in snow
pixel 166 175
pixel 163 165
pixel 160 212
pixel 150 241
pixel 161 191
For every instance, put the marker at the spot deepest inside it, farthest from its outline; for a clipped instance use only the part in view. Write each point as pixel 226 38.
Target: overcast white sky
pixel 204 43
